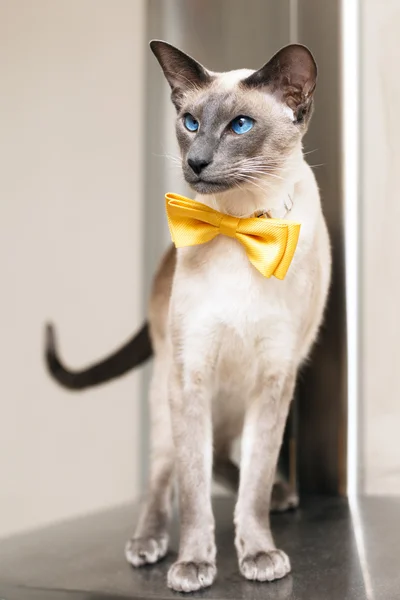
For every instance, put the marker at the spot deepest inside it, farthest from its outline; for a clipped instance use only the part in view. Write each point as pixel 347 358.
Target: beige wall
pixel 71 75
pixel 380 254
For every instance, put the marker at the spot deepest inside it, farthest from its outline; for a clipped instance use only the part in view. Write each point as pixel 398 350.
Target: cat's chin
pixel 209 187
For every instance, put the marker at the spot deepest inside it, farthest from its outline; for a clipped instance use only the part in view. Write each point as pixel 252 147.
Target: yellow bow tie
pixel 269 243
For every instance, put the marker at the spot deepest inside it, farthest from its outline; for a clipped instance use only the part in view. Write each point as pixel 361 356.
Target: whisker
pixel 251 172
pixel 249 180
pixel 178 159
pixel 271 168
pixel 240 169
pixel 265 173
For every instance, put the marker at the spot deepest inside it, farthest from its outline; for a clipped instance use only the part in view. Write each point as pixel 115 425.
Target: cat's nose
pixel 197 164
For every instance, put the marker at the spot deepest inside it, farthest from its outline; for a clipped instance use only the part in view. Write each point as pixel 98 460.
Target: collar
pixel 271 213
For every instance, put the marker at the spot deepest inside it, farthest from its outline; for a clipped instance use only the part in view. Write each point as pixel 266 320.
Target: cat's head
pixel 242 126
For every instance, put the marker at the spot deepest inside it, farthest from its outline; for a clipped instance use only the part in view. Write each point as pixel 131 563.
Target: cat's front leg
pixel 259 559
pixel 190 399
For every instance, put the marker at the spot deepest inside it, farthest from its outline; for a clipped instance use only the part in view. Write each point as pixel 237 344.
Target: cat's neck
pixel 272 194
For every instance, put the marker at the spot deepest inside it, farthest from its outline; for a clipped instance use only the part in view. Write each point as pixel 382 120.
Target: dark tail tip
pixel 50 340
pixel 53 363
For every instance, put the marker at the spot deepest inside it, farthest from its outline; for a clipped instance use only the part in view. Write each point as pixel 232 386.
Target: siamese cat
pixel 227 341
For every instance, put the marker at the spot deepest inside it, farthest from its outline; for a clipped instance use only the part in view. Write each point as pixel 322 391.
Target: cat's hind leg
pixel 150 540
pixel 283 497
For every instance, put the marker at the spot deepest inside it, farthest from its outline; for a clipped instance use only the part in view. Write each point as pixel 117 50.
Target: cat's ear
pixel 292 76
pixel 181 71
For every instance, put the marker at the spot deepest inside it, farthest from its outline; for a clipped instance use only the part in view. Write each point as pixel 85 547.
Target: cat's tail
pixel 132 354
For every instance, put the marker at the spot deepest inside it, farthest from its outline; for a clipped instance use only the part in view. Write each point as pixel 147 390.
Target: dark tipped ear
pixel 181 71
pixel 292 75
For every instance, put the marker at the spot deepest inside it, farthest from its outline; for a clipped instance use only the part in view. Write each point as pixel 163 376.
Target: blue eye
pixel 242 124
pixel 190 122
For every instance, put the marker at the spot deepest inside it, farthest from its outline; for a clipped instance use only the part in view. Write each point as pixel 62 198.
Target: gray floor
pixel 334 557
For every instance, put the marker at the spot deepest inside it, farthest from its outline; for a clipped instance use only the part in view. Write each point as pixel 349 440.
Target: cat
pixel 227 342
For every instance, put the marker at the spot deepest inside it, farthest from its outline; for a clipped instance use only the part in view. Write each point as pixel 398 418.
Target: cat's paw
pixel 191 576
pixel 146 550
pixel 265 566
pixel 283 498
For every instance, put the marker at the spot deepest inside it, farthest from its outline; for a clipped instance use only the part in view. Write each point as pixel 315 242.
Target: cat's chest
pixel 222 287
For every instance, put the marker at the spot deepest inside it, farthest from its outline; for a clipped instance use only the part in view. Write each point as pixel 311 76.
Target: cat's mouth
pixel 210 186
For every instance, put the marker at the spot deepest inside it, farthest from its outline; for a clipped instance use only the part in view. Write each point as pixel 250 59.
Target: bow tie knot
pixel 269 243
pixel 228 225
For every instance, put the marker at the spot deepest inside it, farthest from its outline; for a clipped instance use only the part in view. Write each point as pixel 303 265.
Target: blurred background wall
pixel 71 160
